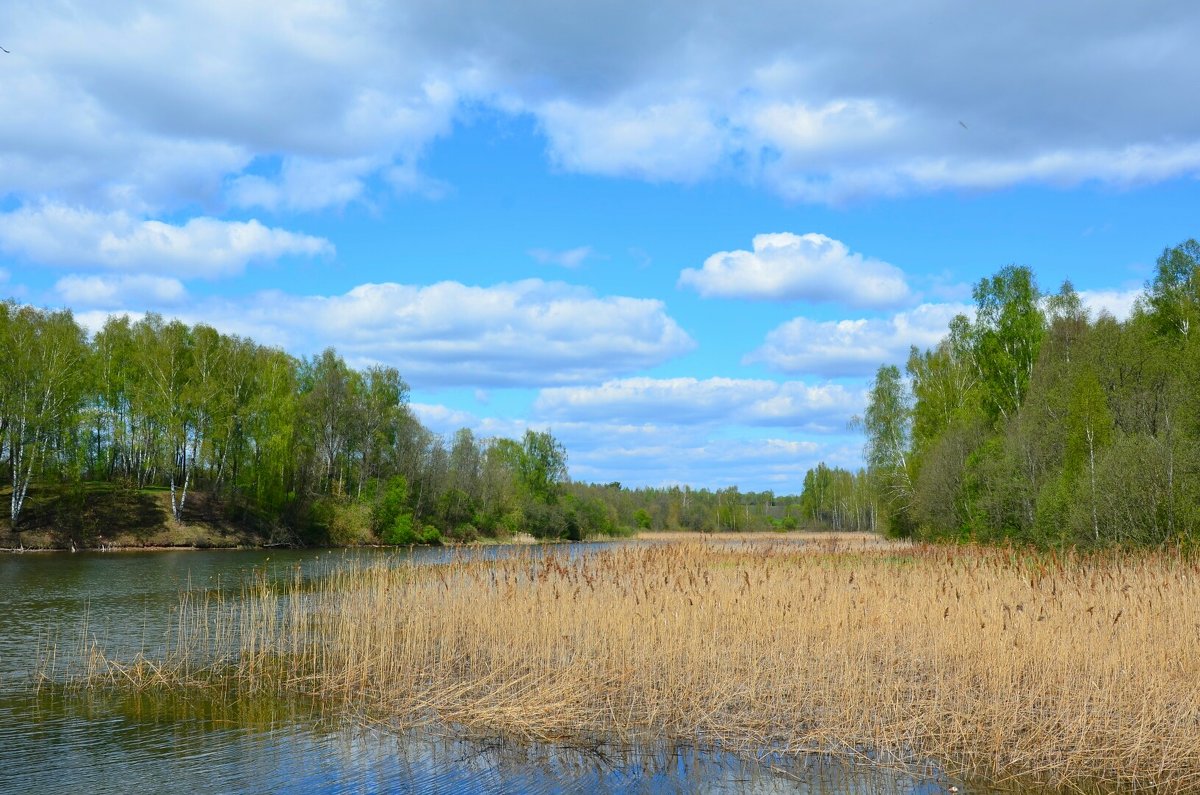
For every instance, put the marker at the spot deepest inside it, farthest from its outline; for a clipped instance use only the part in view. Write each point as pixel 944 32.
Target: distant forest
pixel 1038 423
pixel 302 450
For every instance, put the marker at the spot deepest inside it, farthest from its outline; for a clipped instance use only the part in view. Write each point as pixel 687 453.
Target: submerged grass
pixel 1072 672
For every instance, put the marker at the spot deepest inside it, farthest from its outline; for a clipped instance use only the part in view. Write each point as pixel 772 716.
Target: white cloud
pixel 1118 303
pixel 854 347
pixel 304 184
pixel 660 141
pixel 528 333
pixel 117 291
pixel 122 105
pixel 810 267
pixel 570 258
pixel 686 401
pixel 55 234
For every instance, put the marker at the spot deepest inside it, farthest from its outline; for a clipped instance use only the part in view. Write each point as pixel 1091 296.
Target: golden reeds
pixel 1068 671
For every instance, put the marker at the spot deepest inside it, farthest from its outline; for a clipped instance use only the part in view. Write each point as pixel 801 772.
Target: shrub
pixel 349 524
pixel 465 533
pixel 401 531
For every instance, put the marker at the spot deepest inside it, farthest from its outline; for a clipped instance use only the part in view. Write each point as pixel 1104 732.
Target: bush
pixel 391 505
pixel 465 533
pixel 545 521
pixel 403 533
pixel 349 524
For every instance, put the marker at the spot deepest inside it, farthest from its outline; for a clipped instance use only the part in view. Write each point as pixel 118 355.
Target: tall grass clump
pixel 1067 671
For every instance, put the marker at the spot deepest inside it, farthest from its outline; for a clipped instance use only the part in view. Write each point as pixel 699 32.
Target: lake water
pixel 51 741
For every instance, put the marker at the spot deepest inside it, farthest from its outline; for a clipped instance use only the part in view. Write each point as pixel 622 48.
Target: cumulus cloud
pixel 810 267
pixel 570 258
pixel 527 334
pixel 686 401
pixel 117 291
pixel 56 234
pixel 122 105
pixel 854 347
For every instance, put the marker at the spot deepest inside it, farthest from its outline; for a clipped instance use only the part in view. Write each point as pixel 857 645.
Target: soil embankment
pixel 110 516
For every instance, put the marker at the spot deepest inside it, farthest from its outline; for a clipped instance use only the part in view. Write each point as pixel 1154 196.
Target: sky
pixel 681 236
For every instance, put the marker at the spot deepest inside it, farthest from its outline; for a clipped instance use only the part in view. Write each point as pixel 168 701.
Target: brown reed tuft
pixel 1068 671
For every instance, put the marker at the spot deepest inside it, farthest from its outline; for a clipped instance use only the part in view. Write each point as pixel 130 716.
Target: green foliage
pixel 836 499
pixel 542 465
pixel 309 450
pixel 1036 423
pixel 401 530
pixel 1008 330
pixel 392 503
pixel 404 532
pixel 349 524
pixel 1174 293
pixel 888 428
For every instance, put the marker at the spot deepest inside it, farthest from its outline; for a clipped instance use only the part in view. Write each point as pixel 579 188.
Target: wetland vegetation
pixel 1070 671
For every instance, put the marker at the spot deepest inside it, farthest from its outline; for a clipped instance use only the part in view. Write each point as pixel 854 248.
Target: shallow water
pixel 56 741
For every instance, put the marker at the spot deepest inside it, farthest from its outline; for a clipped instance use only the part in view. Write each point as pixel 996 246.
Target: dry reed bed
pixel 1070 672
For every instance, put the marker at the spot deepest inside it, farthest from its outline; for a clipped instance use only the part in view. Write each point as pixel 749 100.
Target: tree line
pixel 309 450
pixel 1038 422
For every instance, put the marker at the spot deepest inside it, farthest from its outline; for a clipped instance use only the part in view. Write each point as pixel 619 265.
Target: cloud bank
pixel 143 108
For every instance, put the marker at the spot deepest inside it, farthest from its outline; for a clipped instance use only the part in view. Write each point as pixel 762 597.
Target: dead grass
pixel 1068 672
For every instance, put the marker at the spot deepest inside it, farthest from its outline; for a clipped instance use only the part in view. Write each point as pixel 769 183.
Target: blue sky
pixel 681 236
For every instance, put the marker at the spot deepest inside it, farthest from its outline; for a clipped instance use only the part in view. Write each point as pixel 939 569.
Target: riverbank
pixel 106 516
pixel 101 516
pixel 1069 672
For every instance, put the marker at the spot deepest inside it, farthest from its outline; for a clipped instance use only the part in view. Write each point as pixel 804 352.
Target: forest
pixel 303 450
pixel 1033 421
pixel 1036 422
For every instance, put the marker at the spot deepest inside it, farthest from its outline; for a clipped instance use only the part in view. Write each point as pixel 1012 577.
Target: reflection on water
pixel 55 741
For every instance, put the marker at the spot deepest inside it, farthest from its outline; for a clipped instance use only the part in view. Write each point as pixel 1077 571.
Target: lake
pixel 54 741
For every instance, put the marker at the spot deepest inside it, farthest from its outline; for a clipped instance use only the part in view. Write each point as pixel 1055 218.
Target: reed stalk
pixel 1066 671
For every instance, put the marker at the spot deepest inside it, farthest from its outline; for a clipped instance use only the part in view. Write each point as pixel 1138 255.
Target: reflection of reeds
pixel 1069 671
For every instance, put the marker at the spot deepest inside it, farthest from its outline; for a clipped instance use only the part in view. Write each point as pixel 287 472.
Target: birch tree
pixel 164 353
pixel 45 355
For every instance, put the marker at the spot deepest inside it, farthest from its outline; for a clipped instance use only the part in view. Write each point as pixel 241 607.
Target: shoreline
pixel 841 540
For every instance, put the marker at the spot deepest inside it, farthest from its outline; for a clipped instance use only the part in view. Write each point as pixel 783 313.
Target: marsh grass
pixel 1066 671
